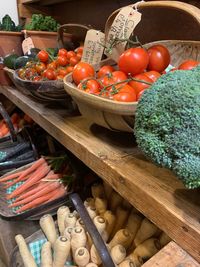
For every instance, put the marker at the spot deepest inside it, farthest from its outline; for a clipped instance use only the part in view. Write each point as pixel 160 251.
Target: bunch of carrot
pixel 40 185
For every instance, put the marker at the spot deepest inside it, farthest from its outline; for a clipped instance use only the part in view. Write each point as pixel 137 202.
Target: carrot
pixel 9 184
pixel 14 118
pixel 49 188
pixel 59 193
pixel 32 191
pixel 32 180
pixel 4 131
pixel 36 202
pixel 10 176
pixel 33 167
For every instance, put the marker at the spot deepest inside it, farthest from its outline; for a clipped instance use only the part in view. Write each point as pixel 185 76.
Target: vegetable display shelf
pixel 44 2
pixel 115 157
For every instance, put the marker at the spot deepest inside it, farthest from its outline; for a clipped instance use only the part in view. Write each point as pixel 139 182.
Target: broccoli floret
pixel 42 23
pixel 167 124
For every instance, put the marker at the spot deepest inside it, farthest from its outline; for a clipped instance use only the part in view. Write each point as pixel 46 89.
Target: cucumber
pixel 21 62
pixel 9 60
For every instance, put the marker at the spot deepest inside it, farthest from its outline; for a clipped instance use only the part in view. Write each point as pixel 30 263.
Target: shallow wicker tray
pixel 119 116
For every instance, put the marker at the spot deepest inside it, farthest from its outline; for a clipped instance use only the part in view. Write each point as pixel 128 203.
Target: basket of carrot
pixel 33 188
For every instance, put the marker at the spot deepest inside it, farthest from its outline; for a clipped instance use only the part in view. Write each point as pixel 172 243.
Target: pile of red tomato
pixel 47 67
pixel 138 69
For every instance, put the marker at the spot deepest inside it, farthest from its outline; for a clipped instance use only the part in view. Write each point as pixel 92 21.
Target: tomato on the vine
pixel 69 69
pixel 79 50
pixel 124 97
pixel 52 65
pixel 112 78
pixel 43 56
pixel 188 64
pixel 30 73
pixel 153 75
pixel 37 78
pixel 133 60
pixel 62 60
pixel 81 71
pixel 91 86
pixel 139 86
pixel 128 89
pixel 62 52
pixel 73 60
pixel 159 58
pixel 50 74
pixel 70 54
pixel 105 70
pixel 40 67
pixel 62 72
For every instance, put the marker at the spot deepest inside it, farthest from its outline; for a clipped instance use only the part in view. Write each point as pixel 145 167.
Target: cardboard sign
pixel 121 29
pixel 93 47
pixel 27 44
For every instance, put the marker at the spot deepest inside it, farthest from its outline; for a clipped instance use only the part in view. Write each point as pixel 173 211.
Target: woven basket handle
pixel 92 230
pixel 71 33
pixel 9 123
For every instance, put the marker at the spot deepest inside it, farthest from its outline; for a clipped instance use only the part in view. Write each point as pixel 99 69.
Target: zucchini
pixel 9 60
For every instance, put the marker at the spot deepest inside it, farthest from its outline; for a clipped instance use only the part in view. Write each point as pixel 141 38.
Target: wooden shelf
pixel 115 157
pixel 44 2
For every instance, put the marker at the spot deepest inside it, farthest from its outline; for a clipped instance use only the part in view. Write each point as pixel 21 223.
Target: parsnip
pixel 70 220
pixel 48 227
pixel 128 263
pixel 122 237
pixel 164 239
pixel 115 201
pixel 147 229
pixel 118 254
pixel 46 255
pixel 91 264
pixel 137 260
pixel 107 189
pixel 89 202
pixel 61 251
pixel 89 241
pixel 78 239
pixel 148 248
pixel 80 223
pixel 134 222
pixel 101 205
pixel 126 205
pixel 95 258
pixel 82 257
pixel 110 221
pixel 100 224
pixel 97 190
pixel 26 255
pixel 122 217
pixel 61 214
pixel 67 232
pixel 91 211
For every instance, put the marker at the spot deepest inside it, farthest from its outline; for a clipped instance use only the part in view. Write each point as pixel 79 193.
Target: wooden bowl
pixel 119 116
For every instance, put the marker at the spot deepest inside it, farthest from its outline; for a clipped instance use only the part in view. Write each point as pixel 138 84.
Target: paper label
pixel 93 47
pixel 121 29
pixel 27 44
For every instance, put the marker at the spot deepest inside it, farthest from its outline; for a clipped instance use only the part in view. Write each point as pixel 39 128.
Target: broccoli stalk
pixel 167 124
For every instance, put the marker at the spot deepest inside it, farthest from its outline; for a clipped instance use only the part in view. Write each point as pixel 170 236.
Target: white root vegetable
pixel 118 254
pixel 82 257
pixel 48 227
pixel 78 239
pixel 137 260
pixel 89 241
pixel 164 239
pixel 67 232
pixel 91 211
pixel 134 222
pixel 147 229
pixel 91 264
pixel 70 220
pixel 101 205
pixel 89 202
pixel 110 218
pixel 115 201
pixel 122 217
pixel 61 251
pixel 26 255
pixel 127 263
pixel 122 237
pixel 46 255
pixel 80 223
pixel 148 248
pixel 95 258
pixel 61 215
pixel 107 189
pixel 100 224
pixel 97 190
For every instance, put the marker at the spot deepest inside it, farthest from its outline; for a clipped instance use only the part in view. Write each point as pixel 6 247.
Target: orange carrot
pixel 49 188
pixel 34 189
pixel 37 201
pixel 33 167
pixel 31 181
pixel 10 176
pixel 59 193
pixel 14 118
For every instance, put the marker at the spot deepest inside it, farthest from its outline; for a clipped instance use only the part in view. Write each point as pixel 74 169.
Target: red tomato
pixel 43 56
pixel 188 65
pixel 70 54
pixel 79 50
pixel 37 78
pixel 124 97
pixel 62 52
pixel 112 78
pixel 140 94
pixel 81 71
pixel 30 73
pixel 52 65
pixel 73 60
pixel 128 89
pixel 159 58
pixel 60 77
pixel 139 86
pixel 50 74
pixel 153 75
pixel 133 60
pixel 40 67
pixel 62 72
pixel 62 60
pixel 79 56
pixel 91 86
pixel 69 69
pixel 107 69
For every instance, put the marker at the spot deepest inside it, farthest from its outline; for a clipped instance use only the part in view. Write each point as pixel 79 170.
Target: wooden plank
pixel 29 1
pixel 171 256
pixel 26 11
pixel 115 157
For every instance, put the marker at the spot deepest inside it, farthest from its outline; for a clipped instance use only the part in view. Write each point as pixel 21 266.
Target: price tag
pixel 121 30
pixel 27 44
pixel 93 47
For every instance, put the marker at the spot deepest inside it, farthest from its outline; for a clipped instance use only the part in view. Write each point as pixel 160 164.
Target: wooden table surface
pixel 156 192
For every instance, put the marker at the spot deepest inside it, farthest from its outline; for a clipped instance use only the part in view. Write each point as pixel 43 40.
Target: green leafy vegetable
pixel 42 23
pixel 8 25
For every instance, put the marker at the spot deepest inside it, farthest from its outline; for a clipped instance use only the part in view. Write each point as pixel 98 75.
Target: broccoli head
pixel 167 124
